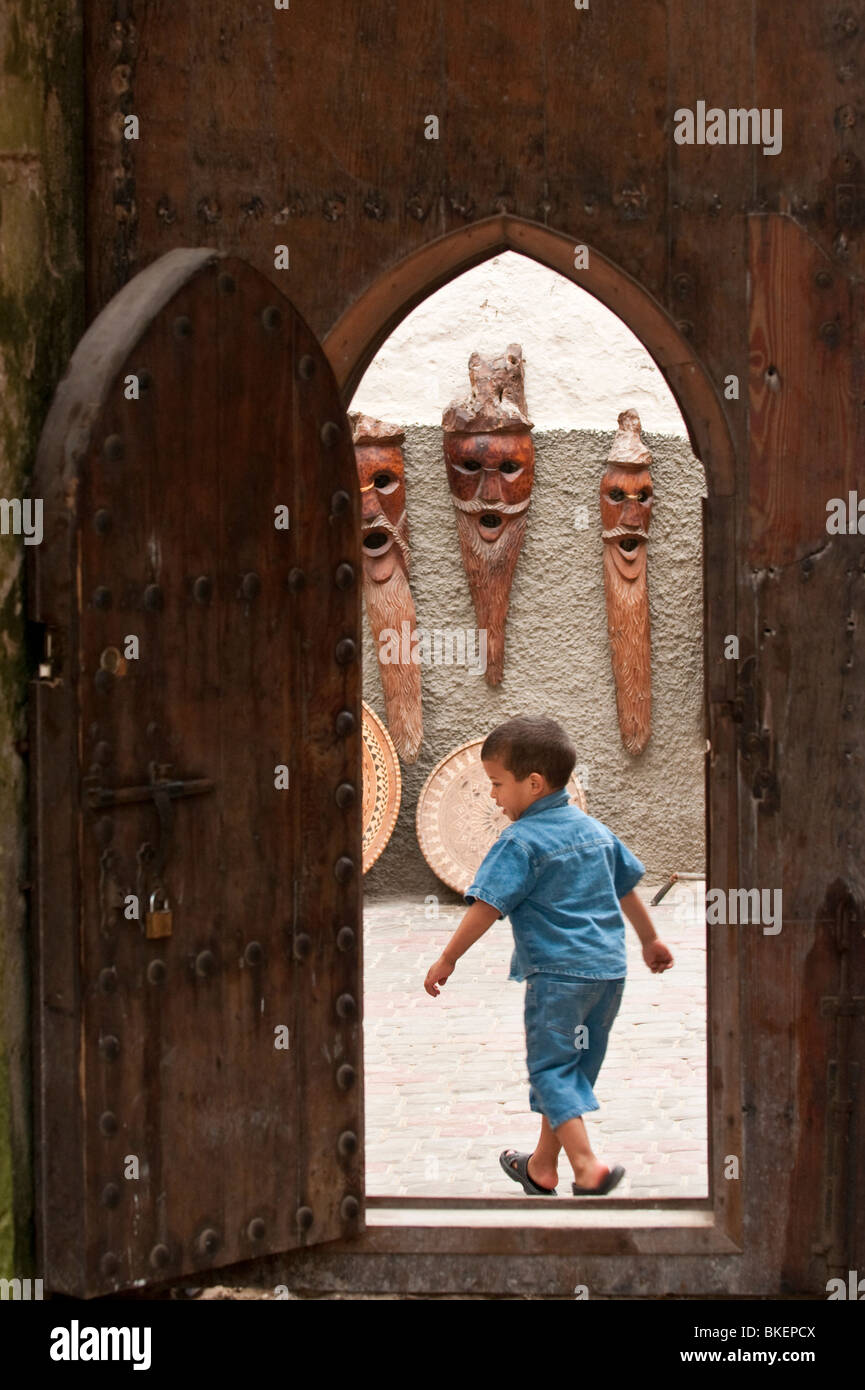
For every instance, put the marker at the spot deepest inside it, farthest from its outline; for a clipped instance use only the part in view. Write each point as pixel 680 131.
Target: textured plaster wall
pixel 557 651
pixel 41 319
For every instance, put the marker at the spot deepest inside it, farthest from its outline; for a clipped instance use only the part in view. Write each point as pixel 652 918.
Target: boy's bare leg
pixel 542 1167
pixel 588 1170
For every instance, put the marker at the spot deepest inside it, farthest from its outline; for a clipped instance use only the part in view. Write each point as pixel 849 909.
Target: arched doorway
pixel 365 326
pixel 359 332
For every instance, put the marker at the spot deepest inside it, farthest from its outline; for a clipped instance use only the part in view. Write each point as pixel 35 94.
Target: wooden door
pixel 195 761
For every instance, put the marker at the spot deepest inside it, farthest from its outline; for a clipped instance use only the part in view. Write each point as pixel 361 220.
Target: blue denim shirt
pixel 559 874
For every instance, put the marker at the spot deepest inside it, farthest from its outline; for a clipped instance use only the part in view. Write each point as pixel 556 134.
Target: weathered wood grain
pixel 807 437
pixel 816 82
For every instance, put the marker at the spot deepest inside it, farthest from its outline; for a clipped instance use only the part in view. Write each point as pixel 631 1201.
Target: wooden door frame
pixel 681 1226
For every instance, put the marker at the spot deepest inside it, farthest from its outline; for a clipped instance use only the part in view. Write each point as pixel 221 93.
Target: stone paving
pixel 446 1083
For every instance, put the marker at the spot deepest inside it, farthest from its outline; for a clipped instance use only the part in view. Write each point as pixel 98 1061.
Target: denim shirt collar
pixel 546 803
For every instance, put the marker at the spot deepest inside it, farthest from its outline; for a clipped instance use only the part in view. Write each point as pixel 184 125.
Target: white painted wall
pixel 583 365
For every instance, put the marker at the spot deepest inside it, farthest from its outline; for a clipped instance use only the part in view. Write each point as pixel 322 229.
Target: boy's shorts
pixel 563 1063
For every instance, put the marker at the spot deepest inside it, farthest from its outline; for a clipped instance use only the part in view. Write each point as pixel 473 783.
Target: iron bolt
pixel 302 945
pixel 347 1143
pixel 205 963
pixel 345 795
pixel 343 869
pixel 346 1006
pixel 345 723
pixel 208 1241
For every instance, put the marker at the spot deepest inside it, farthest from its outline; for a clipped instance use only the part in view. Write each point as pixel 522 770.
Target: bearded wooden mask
pixel 386 563
pixel 626 511
pixel 490 459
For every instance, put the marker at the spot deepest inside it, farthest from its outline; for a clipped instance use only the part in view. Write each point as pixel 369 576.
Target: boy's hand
pixel 656 956
pixel 437 975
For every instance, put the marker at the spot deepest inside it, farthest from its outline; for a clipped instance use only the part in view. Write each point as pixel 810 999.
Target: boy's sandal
pixel 516 1167
pixel 613 1178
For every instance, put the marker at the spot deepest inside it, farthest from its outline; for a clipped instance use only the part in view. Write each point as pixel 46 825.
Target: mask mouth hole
pixel 629 543
pixel 491 520
pixel 376 541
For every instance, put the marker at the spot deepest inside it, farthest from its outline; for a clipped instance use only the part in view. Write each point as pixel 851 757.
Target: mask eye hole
pixel 509 467
pixel 616 494
pixel 376 540
pixel 468 466
pixel 384 482
pixel 643 495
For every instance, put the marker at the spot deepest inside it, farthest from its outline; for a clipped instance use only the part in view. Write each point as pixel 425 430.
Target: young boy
pixel 564 880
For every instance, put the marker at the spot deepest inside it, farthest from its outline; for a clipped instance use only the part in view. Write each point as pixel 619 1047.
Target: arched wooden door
pixel 195 764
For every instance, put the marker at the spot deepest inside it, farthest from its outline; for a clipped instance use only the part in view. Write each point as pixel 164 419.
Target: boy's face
pixel 511 796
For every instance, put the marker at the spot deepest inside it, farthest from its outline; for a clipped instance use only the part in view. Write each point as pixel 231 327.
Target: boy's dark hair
pixel 532 744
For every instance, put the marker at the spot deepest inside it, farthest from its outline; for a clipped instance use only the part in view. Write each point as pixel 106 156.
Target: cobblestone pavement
pixel 446 1083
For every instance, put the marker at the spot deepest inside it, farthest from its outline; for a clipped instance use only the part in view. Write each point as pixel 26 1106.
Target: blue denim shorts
pixel 568 1022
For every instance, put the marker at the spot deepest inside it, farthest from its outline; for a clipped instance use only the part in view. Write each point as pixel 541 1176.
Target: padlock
pixel 159 919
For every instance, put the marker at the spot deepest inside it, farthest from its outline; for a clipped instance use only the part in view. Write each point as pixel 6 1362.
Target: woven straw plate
pixel 382 786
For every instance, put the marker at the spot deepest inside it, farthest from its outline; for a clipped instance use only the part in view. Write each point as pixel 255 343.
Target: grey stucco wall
pixel 557 651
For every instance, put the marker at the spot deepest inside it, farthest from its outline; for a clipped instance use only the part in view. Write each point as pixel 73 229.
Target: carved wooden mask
pixel 386 564
pixel 626 512
pixel 490 459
